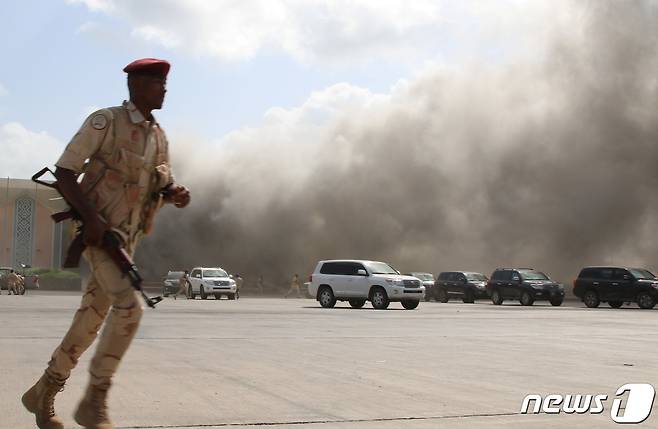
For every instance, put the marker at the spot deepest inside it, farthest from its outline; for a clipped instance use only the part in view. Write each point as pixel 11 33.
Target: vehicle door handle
pixel 595 283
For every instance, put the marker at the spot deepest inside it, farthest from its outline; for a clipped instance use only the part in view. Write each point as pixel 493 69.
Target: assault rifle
pixel 111 243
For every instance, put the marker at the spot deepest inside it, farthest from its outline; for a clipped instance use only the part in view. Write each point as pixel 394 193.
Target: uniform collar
pixel 136 116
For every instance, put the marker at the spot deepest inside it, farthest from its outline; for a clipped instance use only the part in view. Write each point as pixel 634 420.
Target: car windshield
pixel 381 268
pixel 534 275
pixel 424 276
pixel 640 273
pixel 476 277
pixel 174 275
pixel 215 273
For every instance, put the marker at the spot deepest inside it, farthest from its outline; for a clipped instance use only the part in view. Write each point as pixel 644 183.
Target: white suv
pixel 360 281
pixel 211 281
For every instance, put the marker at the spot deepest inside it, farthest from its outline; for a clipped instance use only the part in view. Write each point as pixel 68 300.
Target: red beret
pixel 148 66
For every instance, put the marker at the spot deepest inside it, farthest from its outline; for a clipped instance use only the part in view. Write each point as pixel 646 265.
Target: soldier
pixel 13 281
pixel 294 287
pixel 259 284
pixel 183 284
pixel 125 181
pixel 20 285
pixel 238 285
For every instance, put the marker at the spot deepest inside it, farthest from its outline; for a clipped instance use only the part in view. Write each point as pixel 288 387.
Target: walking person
pixel 294 287
pixel 183 284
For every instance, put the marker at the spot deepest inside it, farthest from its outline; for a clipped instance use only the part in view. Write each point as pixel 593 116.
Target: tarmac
pixel 288 363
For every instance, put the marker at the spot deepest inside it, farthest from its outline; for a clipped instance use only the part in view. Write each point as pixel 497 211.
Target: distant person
pixel 294 287
pixel 259 284
pixel 13 281
pixel 238 285
pixel 183 284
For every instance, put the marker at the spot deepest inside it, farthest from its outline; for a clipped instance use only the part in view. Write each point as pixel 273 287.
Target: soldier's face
pixel 151 91
pixel 156 88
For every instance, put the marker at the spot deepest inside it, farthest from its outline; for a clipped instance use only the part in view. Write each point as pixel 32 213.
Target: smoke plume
pixel 547 161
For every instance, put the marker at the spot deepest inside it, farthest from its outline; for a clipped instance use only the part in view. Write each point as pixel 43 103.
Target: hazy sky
pixel 232 62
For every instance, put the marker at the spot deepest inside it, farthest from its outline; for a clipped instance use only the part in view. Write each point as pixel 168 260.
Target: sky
pixel 232 62
pixel 422 133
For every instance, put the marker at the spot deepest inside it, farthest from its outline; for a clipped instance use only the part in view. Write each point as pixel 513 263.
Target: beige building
pixel 28 235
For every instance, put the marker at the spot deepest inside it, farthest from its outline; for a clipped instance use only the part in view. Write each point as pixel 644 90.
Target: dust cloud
pixel 547 161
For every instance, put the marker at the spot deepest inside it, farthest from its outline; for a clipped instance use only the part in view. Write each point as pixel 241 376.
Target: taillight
pixel 310 277
pixel 574 282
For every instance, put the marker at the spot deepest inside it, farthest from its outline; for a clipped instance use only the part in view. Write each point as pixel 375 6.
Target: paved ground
pixel 290 364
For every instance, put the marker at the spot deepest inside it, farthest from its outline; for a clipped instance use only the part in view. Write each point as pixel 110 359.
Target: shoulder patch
pixel 98 121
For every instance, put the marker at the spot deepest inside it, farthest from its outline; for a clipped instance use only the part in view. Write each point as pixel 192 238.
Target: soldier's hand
pixel 179 195
pixel 93 233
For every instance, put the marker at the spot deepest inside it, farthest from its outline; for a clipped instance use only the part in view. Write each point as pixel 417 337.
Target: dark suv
pixel 525 284
pixel 465 284
pixel 616 285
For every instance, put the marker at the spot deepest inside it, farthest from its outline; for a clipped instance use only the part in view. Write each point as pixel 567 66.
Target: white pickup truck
pixel 358 281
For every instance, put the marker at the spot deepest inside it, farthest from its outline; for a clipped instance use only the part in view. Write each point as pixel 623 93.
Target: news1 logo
pixel 632 403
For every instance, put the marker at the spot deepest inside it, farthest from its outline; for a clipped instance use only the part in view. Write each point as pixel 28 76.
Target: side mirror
pixel 362 273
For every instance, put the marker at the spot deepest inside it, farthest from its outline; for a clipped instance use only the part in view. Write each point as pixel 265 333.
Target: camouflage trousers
pixel 108 290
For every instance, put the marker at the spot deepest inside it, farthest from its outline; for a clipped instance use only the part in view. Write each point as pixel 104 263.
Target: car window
pixel 476 277
pixel 381 268
pixel 461 277
pixel 443 276
pixel 196 274
pixel 215 272
pixel 606 273
pixel 619 274
pixel 534 275
pixel 331 268
pixel 640 273
pixel 352 268
pixel 504 275
pixel 172 275
pixel 590 273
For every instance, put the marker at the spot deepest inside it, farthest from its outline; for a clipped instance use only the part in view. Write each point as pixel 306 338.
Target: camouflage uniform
pixel 13 283
pixel 182 285
pixel 238 285
pixel 294 287
pixel 128 162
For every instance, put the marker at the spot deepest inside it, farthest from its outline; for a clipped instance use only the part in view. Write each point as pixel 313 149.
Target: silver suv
pixel 358 281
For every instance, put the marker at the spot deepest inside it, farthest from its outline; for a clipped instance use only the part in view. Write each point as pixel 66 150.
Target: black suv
pixel 616 285
pixel 465 284
pixel 525 284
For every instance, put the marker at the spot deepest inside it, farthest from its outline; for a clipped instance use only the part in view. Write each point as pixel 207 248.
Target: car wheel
pixel 556 302
pixel 469 297
pixel 615 304
pixel 218 296
pixel 379 299
pixel 231 297
pixel 326 297
pixel 357 303
pixel 646 301
pixel 164 293
pixel 202 293
pixel 190 292
pixel 442 295
pixel 526 298
pixel 496 297
pixel 591 299
pixel 410 304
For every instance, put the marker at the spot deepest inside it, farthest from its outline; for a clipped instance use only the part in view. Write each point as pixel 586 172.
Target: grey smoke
pixel 548 161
